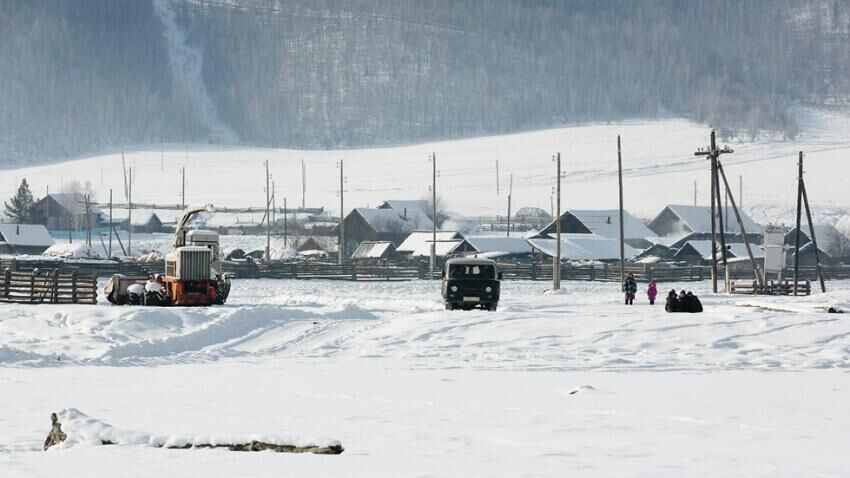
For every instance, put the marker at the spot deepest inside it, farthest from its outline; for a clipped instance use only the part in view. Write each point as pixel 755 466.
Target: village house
pixel 24 239
pixel 604 223
pixel 694 222
pixel 365 224
pixel 67 212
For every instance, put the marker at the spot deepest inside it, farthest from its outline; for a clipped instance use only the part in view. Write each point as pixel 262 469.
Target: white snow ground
pixel 551 384
pixel 658 156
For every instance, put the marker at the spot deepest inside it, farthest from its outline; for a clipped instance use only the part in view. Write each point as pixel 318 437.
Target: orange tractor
pixel 192 276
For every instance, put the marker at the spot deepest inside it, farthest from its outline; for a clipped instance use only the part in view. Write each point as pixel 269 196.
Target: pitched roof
pixel 373 250
pixel 698 219
pixel 736 249
pixel 418 244
pixel 579 247
pixel 419 239
pixel 140 217
pixel 507 245
pixel 606 223
pixel 74 203
pixel 25 235
pixel 390 220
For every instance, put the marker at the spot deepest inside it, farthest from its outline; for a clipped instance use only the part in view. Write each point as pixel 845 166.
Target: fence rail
pixel 400 271
pixel 51 287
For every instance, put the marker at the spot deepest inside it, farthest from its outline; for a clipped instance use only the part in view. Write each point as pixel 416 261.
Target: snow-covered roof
pixel 417 240
pixel 606 223
pixel 74 203
pixel 501 244
pixel 140 217
pixel 578 247
pixel 825 234
pixel 734 250
pixel 391 220
pixel 698 219
pixel 443 248
pixel 402 204
pixel 373 250
pixel 25 235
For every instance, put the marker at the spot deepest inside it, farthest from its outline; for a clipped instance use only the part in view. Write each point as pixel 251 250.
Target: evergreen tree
pixel 21 208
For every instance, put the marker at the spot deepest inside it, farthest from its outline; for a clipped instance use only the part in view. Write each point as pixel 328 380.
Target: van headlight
pixel 454 288
pixel 488 289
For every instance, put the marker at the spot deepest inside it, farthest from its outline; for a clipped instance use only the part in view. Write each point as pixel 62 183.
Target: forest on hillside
pixel 82 76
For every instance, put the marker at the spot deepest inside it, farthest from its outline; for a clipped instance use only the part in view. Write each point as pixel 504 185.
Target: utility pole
pixel 285 231
pixel 183 188
pixel 622 233
pixel 124 170
pixel 721 226
pixel 803 197
pixel 433 214
pixel 510 193
pixel 88 221
pixel 713 153
pixel 741 191
pixel 799 212
pixel 497 177
pixel 130 216
pixel 268 222
pixel 341 247
pixel 109 252
pixel 303 185
pixel 556 264
pixel 758 273
pixel 274 205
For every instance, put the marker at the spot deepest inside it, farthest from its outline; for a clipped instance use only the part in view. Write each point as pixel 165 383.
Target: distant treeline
pixel 81 76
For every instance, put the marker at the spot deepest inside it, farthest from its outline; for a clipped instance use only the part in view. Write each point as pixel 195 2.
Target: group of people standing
pixel 684 302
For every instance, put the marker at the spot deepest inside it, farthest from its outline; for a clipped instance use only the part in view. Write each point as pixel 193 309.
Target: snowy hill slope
pixel 659 168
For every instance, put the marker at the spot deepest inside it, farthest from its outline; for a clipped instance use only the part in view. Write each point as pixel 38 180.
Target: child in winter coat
pixel 630 288
pixel 651 292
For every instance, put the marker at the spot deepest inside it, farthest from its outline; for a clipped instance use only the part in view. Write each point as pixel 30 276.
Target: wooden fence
pixel 51 287
pixel 400 271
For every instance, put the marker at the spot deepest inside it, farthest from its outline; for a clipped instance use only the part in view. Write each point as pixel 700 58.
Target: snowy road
pixel 548 385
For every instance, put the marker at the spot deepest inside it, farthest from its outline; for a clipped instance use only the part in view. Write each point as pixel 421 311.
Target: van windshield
pixel 467 271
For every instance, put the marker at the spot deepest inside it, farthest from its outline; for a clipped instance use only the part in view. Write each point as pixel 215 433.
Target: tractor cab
pixel 470 283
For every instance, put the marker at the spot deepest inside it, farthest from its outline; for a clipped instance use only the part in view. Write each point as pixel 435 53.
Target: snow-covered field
pixel 550 385
pixel 658 156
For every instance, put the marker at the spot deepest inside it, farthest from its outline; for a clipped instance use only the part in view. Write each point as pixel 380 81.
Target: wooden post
pixel 721 227
pixel 713 230
pixel 74 287
pixel 756 271
pixel 7 282
pixel 622 233
pixel 268 217
pixel 818 266
pixel 556 264
pixel 109 251
pixel 433 215
pixel 341 252
pixel 799 213
pixel 54 296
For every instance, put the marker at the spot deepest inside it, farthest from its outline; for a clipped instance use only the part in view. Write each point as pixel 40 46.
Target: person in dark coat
pixel 630 288
pixel 694 305
pixel 672 304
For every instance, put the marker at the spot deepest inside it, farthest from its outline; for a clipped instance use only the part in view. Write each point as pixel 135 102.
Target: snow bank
pixel 76 250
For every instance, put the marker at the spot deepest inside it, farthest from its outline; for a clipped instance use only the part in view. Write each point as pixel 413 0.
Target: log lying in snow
pixel 82 429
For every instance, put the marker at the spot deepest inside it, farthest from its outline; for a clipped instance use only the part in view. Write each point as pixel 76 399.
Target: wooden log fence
pixel 50 287
pixel 401 271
